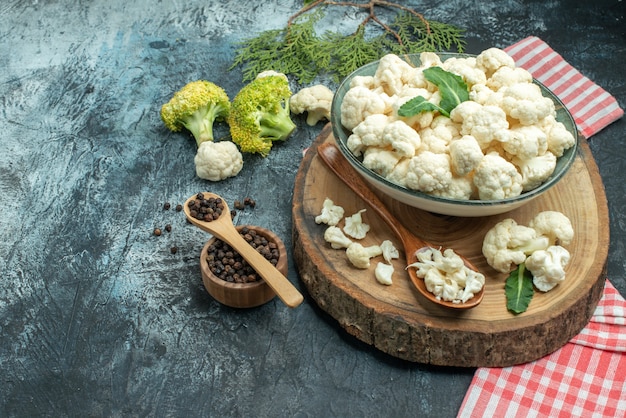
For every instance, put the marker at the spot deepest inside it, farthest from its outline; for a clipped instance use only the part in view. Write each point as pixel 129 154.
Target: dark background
pixel 97 317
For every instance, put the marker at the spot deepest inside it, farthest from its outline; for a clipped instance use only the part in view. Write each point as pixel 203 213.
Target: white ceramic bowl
pixel 447 206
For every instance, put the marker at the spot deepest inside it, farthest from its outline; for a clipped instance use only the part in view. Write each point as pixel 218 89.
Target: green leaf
pixel 453 91
pixel 417 105
pixel 519 289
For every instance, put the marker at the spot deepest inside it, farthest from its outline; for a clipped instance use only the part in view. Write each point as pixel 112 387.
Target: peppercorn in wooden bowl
pixel 226 275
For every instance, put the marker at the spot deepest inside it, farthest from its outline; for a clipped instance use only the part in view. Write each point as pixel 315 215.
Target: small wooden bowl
pixel 242 295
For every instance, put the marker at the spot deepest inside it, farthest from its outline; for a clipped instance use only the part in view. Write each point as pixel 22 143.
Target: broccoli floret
pixel 196 107
pixel 260 114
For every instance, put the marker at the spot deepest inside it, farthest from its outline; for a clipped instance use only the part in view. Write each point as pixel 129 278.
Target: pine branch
pixel 297 49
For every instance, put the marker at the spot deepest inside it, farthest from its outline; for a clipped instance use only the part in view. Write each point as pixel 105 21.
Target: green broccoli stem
pixel 200 123
pixel 276 127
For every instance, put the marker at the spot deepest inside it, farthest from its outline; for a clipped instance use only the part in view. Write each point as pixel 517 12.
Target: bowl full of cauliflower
pixel 454 134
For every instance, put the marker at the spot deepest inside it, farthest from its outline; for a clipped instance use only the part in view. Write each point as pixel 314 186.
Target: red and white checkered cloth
pixel 587 376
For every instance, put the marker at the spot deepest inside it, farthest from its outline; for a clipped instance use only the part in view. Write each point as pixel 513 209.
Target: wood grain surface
pixel 399 321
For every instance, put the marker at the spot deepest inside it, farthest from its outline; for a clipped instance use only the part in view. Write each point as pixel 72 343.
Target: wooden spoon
pixel 330 154
pixel 224 229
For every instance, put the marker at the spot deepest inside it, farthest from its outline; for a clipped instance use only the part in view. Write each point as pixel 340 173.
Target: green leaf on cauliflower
pixel 453 89
pixel 519 289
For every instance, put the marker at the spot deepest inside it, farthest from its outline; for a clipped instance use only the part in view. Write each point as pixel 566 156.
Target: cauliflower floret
pixel 336 238
pixel 495 178
pixel 360 256
pixel 314 100
pixel 367 133
pixel 558 137
pixel 525 141
pixel 524 102
pixel 389 251
pixel 446 275
pixel 492 59
pixel 535 170
pixel 507 76
pixel 217 161
pixel 358 103
pixel 401 138
pixel 485 123
pixel 331 214
pixel 393 73
pixel 548 267
pixel 384 273
pixel 554 225
pixel 507 244
pixel 381 161
pixel 399 172
pixel 366 81
pixel 465 155
pixel 355 227
pixel 467 69
pixel 485 96
pixel 429 172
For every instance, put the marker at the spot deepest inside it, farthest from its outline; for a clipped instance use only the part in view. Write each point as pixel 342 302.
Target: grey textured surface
pixel 97 317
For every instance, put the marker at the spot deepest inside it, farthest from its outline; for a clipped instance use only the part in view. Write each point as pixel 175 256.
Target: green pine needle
pixel 298 50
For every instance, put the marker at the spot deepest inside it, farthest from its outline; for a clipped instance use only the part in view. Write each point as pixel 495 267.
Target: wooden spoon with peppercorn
pixel 209 212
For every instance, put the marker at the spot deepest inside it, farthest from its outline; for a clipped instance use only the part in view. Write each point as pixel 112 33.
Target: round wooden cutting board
pixel 399 321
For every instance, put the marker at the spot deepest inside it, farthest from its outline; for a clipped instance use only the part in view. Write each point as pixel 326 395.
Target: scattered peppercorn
pixel 166 206
pixel 233 213
pixel 173 250
pixel 179 207
pixel 249 202
pixel 206 209
pixel 227 264
pixel 157 231
pixel 168 228
pixel 238 204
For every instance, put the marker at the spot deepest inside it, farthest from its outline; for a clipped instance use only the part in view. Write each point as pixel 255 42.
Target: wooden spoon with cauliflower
pixel 440 275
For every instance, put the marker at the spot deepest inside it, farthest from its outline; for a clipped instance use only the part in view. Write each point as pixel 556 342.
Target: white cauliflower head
pixel 315 101
pixel 355 227
pixel 429 172
pixel 331 214
pixel 360 256
pixel 524 102
pixel 492 59
pixel 554 225
pixel 402 138
pixel 217 161
pixel 496 178
pixel 358 103
pixel 548 267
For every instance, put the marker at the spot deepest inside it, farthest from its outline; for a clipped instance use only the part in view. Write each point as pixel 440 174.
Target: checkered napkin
pixel 587 376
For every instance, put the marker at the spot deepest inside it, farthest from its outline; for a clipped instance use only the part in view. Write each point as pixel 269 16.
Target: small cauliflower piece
pixel 315 101
pixel 558 137
pixel 217 161
pixel 429 172
pixel 384 273
pixel 495 178
pixel 465 155
pixel 485 123
pixel 401 138
pixel 507 76
pixel 360 256
pixel 467 69
pixel 380 160
pixel 359 103
pixel 446 275
pixel 554 225
pixel 507 244
pixel 355 227
pixel 367 133
pixel 535 170
pixel 389 251
pixel 492 59
pixel 524 102
pixel 548 267
pixel 336 238
pixel 399 172
pixel 525 142
pixel 393 73
pixel 331 214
